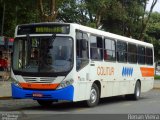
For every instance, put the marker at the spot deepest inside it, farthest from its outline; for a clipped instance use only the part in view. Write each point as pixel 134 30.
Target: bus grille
pixel 39 79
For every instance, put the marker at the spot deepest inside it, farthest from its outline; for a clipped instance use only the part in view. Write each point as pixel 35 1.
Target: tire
pixel 137 92
pixel 45 102
pixel 94 96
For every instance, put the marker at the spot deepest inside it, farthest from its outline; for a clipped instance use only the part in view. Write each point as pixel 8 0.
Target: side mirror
pixel 84 44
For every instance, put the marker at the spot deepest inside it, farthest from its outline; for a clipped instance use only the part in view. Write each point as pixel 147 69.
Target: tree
pixel 96 10
pixel 124 18
pixel 48 14
pixel 18 12
pixel 153 33
pixel 145 20
pixel 49 9
pixel 73 11
pixel 85 12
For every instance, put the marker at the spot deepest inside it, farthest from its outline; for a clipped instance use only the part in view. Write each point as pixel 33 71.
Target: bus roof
pixel 94 31
pixel 110 35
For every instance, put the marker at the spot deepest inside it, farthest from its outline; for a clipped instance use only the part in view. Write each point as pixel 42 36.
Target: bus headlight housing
pixel 15 82
pixel 65 83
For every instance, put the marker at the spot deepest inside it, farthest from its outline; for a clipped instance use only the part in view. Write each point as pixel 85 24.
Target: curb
pixel 156 87
pixel 156 84
pixel 6 98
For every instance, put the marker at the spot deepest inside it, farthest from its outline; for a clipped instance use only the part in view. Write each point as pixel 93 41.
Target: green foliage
pixel 154 25
pixel 72 11
pixel 124 17
pixel 157 77
pixel 153 33
pixel 18 12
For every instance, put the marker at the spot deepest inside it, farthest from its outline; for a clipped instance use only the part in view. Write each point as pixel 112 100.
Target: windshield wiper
pixel 28 41
pixel 53 37
pixel 28 37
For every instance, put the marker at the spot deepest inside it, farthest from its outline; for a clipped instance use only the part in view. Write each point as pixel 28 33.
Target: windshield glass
pixel 43 54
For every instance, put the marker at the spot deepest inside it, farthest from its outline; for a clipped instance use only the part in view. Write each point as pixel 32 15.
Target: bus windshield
pixel 43 54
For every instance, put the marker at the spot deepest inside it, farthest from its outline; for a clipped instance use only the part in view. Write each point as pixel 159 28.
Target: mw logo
pixel 127 71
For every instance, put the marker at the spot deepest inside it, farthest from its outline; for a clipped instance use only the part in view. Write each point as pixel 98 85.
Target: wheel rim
pixel 138 91
pixel 93 96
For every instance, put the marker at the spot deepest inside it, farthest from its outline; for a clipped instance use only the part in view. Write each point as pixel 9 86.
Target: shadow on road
pixel 66 106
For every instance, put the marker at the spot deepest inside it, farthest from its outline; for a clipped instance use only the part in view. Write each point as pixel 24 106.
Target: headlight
pixel 65 83
pixel 14 79
pixel 15 82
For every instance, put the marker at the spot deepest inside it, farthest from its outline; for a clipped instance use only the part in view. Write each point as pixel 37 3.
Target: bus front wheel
pixel 94 96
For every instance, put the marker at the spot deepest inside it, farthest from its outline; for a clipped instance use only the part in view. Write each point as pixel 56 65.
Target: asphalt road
pixel 149 103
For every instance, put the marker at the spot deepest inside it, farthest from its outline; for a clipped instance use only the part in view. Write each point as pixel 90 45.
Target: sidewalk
pixel 156 84
pixel 5 88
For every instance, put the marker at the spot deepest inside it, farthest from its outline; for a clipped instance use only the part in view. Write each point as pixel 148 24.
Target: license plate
pixel 37 95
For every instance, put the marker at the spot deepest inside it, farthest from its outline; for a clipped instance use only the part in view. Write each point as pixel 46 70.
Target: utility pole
pixel 4 7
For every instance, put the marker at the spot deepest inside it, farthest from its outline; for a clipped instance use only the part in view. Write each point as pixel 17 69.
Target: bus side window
pixel 141 54
pixel 149 56
pixel 109 49
pixel 96 49
pixel 82 57
pixel 132 53
pixel 121 51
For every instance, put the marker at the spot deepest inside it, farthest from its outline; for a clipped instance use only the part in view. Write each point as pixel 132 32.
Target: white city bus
pixel 67 61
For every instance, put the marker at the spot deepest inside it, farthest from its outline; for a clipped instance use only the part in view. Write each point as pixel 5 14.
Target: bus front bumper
pixel 59 94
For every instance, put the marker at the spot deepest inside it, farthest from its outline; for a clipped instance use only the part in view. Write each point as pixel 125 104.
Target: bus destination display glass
pixel 43 29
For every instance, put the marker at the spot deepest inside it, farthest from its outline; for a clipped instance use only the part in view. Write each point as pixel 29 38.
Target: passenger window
pixel 121 51
pixel 96 49
pixel 141 55
pixel 149 56
pixel 109 49
pixel 132 53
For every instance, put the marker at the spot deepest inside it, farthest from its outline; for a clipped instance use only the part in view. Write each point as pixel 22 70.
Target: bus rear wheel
pixel 94 96
pixel 137 92
pixel 45 102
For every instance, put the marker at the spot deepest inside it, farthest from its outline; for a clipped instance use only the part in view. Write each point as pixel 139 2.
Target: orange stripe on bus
pixel 39 85
pixel 147 72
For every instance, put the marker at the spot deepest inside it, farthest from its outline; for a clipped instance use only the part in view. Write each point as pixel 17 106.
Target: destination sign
pixel 43 29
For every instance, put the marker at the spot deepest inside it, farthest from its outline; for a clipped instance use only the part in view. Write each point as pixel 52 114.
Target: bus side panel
pixel 83 84
pixel 147 77
pixel 124 75
pixel 147 84
pixel 104 72
pixel 106 90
